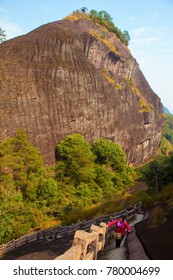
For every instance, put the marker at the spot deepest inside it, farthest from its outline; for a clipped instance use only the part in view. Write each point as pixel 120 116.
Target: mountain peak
pixel 76 76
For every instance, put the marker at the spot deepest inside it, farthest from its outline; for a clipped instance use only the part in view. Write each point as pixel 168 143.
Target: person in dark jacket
pixel 122 227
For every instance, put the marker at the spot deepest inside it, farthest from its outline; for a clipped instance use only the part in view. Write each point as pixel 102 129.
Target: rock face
pixel 76 77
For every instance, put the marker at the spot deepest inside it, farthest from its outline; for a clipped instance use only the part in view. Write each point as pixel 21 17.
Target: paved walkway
pixel 130 249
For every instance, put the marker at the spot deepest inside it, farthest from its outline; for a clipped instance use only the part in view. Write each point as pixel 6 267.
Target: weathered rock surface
pixel 76 77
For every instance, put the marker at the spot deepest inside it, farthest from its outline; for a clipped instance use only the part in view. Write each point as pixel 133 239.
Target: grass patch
pixel 110 79
pixel 144 106
pixel 118 86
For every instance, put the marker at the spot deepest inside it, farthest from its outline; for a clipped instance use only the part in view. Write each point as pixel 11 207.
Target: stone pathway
pixel 130 249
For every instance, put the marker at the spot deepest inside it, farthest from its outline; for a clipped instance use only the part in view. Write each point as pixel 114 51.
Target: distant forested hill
pixel 166 144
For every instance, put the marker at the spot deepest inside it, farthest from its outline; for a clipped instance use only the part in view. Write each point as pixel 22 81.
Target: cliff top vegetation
pixel 102 18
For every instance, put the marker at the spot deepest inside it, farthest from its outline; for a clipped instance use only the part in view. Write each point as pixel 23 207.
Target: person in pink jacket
pixel 122 227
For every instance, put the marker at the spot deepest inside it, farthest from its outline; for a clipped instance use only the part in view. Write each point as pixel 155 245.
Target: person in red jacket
pixel 122 227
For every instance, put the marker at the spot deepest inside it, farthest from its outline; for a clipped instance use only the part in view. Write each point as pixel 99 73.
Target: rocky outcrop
pixel 76 77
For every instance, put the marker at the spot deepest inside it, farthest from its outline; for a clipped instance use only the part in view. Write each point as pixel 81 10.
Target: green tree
pixel 109 153
pixel 157 173
pixel 126 37
pixel 76 173
pixel 103 18
pixel 93 14
pixel 104 179
pixel 86 194
pixel 104 15
pixel 2 35
pixel 84 10
pixel 169 168
pixel 23 162
pixel 27 188
pixel 48 190
pixel 78 158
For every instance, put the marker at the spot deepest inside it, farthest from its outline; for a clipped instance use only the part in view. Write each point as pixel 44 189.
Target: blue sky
pixel 149 23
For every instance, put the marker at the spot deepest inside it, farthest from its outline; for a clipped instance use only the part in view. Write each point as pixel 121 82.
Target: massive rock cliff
pixel 76 77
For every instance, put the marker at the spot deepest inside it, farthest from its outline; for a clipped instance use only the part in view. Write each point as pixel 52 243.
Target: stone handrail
pixel 86 245
pixel 60 231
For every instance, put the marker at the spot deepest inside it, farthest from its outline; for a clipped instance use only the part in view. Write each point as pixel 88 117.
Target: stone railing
pixel 61 231
pixel 86 245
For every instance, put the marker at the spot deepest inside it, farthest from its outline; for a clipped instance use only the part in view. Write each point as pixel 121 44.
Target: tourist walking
pixel 122 228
